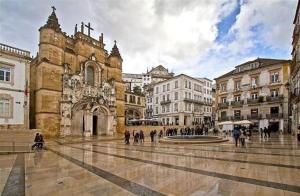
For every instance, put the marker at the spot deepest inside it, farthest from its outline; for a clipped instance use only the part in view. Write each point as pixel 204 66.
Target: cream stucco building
pixel 179 101
pixel 295 75
pixel 14 79
pixel 257 91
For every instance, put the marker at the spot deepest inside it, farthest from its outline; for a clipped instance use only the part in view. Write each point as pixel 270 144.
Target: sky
pixel 200 38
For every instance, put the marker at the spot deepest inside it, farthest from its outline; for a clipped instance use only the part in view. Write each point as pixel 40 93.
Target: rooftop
pixel 262 62
pixel 14 51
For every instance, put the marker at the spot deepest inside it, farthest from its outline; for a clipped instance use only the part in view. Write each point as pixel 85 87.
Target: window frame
pixel 10 100
pixel 11 68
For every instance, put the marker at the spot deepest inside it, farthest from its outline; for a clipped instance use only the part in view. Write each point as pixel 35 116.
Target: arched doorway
pixel 91 119
pixel 100 120
pixel 132 114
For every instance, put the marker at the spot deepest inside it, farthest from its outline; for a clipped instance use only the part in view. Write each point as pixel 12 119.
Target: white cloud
pixel 259 25
pixel 179 34
pixel 175 33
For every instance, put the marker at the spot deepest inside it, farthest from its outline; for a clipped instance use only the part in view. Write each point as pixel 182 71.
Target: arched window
pixel 90 75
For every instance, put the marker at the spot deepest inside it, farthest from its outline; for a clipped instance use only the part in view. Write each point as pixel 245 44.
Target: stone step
pixel 17 136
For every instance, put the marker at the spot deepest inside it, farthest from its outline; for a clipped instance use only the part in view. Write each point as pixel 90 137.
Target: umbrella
pixel 226 123
pixel 242 122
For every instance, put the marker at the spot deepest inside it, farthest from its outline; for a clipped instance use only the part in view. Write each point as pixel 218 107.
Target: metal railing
pixel 237 103
pixel 165 102
pixel 272 99
pixel 224 118
pixel 274 115
pixel 237 117
pixel 223 105
pixel 254 117
pixel 253 101
pixel 193 100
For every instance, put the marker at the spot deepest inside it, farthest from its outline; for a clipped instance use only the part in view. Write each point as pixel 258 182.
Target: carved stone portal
pixel 87 109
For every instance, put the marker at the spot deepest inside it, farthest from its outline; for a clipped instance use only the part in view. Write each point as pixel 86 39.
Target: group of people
pixel 240 133
pixel 138 137
pixel 198 130
pixel 38 141
pixel 265 132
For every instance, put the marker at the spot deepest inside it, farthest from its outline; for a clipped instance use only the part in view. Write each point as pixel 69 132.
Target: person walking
pixel 261 133
pixel 127 137
pixel 152 136
pixel 142 137
pixel 136 137
pixel 243 137
pixel 269 132
pixel 265 132
pixel 160 134
pixel 236 135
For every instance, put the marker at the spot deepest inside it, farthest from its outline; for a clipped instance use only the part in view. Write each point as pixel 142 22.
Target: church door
pixel 95 125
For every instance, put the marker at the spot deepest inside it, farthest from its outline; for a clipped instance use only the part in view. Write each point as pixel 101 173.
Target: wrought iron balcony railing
pixel 193 100
pixel 165 102
pixel 237 103
pixel 274 115
pixel 274 99
pixel 223 105
pixel 254 116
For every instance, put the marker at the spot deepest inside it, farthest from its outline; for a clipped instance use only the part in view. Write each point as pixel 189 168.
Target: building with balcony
pixel 256 91
pixel 145 82
pixel 14 79
pixel 295 74
pixel 179 101
pixel 134 106
pixel 132 81
pixel 208 100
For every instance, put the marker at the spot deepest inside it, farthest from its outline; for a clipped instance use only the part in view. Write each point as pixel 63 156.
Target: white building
pixel 156 74
pixel 132 80
pixel 178 101
pixel 207 99
pixel 14 77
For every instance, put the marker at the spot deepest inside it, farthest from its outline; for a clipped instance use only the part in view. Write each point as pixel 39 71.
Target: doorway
pixel 95 124
pixel 274 126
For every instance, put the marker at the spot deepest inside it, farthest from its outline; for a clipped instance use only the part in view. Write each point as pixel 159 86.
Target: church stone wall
pixel 56 49
pixel 48 123
pixel 51 77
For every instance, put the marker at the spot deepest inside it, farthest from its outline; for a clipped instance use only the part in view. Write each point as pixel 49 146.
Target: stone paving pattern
pixel 106 166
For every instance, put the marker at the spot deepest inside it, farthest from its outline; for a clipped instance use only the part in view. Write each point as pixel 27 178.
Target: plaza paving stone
pixel 106 166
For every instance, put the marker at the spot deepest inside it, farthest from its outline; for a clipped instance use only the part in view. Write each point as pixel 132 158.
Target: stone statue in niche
pixel 81 69
pixel 106 90
pixel 66 68
pixel 65 80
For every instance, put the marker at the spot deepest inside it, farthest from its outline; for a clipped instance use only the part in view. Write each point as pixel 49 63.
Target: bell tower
pixel 46 81
pixel 115 61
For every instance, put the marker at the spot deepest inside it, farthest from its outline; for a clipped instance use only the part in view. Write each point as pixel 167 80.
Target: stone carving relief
pixel 246 80
pixel 264 78
pixel 265 91
pixel 230 85
pixel 77 94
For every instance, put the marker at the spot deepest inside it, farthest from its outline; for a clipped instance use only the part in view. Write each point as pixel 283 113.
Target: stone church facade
pixel 76 86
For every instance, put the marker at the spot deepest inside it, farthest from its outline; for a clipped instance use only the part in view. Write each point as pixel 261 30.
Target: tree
pixel 137 90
